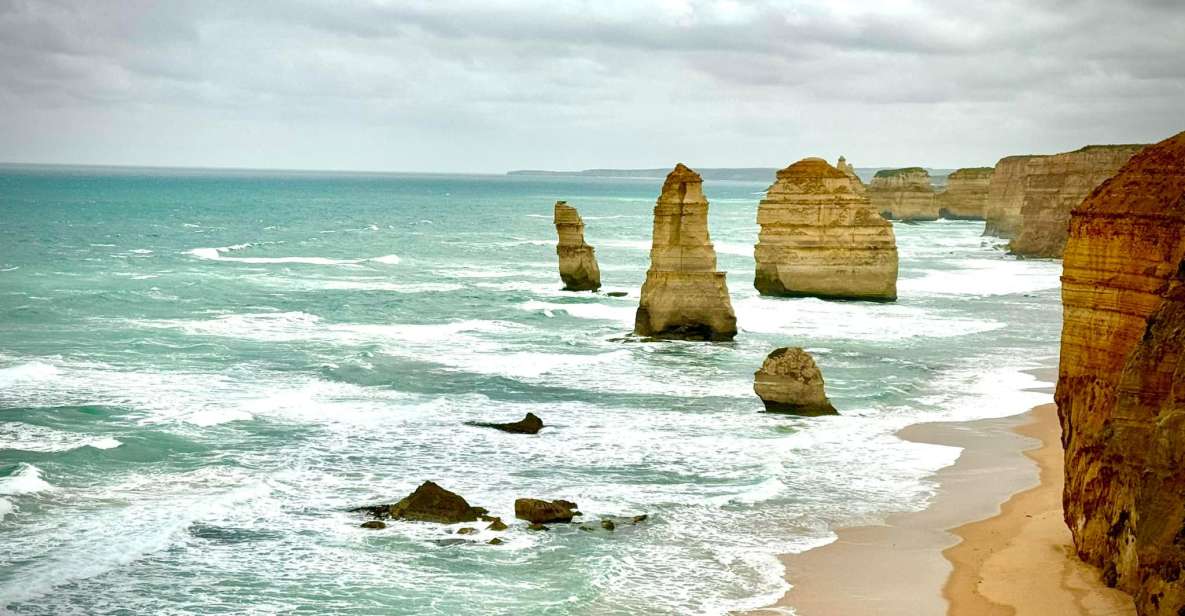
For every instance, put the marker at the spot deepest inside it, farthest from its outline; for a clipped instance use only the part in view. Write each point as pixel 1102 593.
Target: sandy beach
pixel 991 542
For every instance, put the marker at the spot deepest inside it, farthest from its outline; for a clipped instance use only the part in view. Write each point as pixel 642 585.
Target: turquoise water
pixel 201 372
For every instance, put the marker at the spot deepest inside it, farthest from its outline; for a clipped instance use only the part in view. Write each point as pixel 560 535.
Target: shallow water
pixel 200 372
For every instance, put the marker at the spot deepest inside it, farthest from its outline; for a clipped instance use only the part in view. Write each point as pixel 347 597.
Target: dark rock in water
pixel 617 294
pixel 497 524
pixel 495 541
pixel 450 542
pixel 429 503
pixel 641 518
pixel 535 526
pixel 374 524
pixel 531 424
pixel 587 528
pixel 468 530
pixel 608 524
pixel 541 511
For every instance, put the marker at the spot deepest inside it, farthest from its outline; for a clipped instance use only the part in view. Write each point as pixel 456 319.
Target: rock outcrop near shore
pixel 1121 386
pixel 428 503
pixel 903 194
pixel 966 194
pixel 790 382
pixel 1055 185
pixel 578 261
pixel 821 237
pixel 1006 195
pixel 684 297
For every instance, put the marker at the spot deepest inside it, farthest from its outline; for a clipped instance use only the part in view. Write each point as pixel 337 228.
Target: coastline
pixel 990 542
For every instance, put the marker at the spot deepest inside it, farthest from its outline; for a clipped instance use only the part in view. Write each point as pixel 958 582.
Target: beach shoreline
pixel 991 541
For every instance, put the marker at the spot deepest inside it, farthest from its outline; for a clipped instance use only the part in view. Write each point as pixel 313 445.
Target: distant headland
pixel 736 174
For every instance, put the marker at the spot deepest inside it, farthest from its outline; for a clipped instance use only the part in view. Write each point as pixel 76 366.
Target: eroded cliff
pixel 966 194
pixel 1121 383
pixel 1055 185
pixel 903 194
pixel 1006 194
pixel 821 237
pixel 684 296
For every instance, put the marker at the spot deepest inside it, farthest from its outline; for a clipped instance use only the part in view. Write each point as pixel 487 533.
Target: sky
pixel 489 86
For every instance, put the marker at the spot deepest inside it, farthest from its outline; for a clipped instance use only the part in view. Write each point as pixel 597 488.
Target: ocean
pixel 201 372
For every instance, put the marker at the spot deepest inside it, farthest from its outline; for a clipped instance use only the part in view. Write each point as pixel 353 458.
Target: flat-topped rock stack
pixel 1055 185
pixel 1006 195
pixel 684 297
pixel 850 171
pixel 1121 383
pixel 578 260
pixel 822 237
pixel 966 194
pixel 903 194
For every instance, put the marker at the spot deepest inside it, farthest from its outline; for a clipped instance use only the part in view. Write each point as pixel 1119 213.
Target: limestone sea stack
pixel 821 237
pixel 966 194
pixel 903 194
pixel 1006 194
pixel 1121 383
pixel 790 382
pixel 684 297
pixel 850 171
pixel 578 261
pixel 1055 185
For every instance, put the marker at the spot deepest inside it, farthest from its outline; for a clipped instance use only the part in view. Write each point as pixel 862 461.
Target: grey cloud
pixel 488 85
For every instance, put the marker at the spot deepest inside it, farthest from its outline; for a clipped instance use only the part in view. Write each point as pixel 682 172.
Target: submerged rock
pixel 428 503
pixel 374 525
pixel 497 524
pixel 617 294
pixel 578 261
pixel 790 382
pixel 468 530
pixel 537 526
pixel 531 424
pixel 821 237
pixel 539 511
pixel 495 541
pixel 684 297
pixel 1121 382
pixel 608 524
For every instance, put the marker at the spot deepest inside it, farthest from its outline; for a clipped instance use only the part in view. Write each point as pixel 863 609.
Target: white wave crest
pixel 219 254
pixel 27 437
pixel 26 480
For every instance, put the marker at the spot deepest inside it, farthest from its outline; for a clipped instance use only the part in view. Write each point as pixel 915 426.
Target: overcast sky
pixel 488 86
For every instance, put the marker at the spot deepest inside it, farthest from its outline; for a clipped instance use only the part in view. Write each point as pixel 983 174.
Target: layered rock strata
pixel 790 382
pixel 966 194
pixel 1006 194
pixel 578 261
pixel 903 194
pixel 684 296
pixel 1121 383
pixel 1055 185
pixel 821 237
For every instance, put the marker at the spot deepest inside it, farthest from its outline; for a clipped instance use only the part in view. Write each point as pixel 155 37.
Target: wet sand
pixel 991 542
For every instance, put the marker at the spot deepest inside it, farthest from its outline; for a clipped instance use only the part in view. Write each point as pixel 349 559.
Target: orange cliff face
pixel 1121 385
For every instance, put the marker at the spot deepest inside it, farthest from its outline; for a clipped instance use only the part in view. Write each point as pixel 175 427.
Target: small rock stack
pixel 578 261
